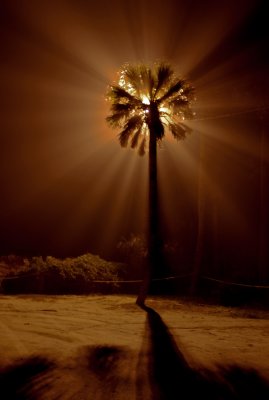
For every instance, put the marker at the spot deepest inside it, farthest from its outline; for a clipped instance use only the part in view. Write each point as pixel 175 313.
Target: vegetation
pixel 132 250
pixel 146 102
pixel 84 274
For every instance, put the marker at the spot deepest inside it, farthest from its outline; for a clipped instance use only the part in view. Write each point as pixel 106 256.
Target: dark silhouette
pixel 172 378
pixel 107 372
pixel 16 380
pixel 144 103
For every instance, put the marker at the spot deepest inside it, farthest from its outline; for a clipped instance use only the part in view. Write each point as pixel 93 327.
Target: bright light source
pixel 145 99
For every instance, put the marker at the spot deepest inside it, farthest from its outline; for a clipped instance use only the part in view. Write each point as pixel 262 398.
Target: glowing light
pixel 145 100
pixel 164 110
pixel 58 104
pixel 148 96
pixel 166 115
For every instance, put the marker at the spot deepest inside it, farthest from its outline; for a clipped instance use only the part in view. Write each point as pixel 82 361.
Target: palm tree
pixel 145 102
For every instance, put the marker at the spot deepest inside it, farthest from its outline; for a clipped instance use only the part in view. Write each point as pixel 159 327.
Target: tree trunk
pixel 154 242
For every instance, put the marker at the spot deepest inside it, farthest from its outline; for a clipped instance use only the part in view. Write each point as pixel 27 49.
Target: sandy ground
pixel 105 347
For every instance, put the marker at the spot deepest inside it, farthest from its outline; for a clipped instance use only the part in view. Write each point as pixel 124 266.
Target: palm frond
pixel 188 92
pixel 178 103
pixel 163 75
pixel 120 113
pixel 187 113
pixel 121 107
pixel 132 124
pixel 149 99
pixel 151 84
pixel 115 120
pixel 139 78
pixel 181 108
pixel 148 81
pixel 135 138
pixel 132 75
pixel 178 131
pixel 142 147
pixel 118 94
pixel 174 89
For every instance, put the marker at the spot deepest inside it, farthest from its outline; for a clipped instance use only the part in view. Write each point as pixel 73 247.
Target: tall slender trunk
pixel 153 223
pixel 154 242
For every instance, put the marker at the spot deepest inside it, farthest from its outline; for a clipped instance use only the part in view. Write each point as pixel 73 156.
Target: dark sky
pixel 66 185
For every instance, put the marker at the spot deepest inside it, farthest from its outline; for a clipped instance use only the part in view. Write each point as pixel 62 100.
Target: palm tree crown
pixel 147 101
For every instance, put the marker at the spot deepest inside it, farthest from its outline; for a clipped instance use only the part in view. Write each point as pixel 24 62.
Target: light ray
pixel 58 58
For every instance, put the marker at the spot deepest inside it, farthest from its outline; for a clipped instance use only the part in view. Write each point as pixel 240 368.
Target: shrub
pixel 84 274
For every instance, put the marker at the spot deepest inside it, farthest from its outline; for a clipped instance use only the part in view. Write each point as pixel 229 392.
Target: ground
pixel 99 347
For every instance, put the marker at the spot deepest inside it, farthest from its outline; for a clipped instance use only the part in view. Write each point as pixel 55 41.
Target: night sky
pixel 66 185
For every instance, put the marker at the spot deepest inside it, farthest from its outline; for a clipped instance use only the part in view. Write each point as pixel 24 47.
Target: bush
pixel 132 250
pixel 84 274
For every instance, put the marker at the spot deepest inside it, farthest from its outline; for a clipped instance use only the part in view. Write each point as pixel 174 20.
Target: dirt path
pixel 100 345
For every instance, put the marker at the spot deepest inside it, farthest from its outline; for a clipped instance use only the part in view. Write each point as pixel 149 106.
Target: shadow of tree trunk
pixel 171 377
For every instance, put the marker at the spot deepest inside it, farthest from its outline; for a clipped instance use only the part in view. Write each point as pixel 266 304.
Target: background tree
pixel 145 102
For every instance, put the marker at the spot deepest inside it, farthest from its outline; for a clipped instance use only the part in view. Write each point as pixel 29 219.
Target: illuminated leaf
pixel 147 101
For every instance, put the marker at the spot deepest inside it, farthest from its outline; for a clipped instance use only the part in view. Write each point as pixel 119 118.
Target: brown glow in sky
pixel 66 185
